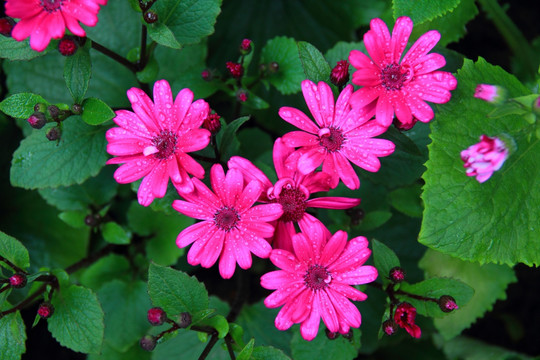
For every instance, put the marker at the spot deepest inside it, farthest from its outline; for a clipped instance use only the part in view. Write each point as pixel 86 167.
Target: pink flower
pixel 46 19
pixel 232 228
pixel 485 157
pixel 489 93
pixel 292 191
pixel 341 135
pixel 153 142
pixel 316 282
pixel 400 87
pixel 404 317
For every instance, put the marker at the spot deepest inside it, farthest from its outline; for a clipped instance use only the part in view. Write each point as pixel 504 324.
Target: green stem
pixel 512 35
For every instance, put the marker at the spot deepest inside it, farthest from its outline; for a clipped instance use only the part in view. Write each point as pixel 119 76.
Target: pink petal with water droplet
pixel 298 118
pixel 310 327
pixel 422 46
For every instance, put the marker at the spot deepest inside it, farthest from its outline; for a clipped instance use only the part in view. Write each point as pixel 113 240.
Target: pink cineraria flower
pixel 395 86
pixel 46 19
pixel 341 135
pixel 316 281
pixel 292 191
pixel 232 228
pixel 484 158
pixel 153 142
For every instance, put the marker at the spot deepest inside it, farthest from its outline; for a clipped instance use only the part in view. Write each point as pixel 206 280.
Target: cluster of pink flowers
pixel 484 158
pixel 244 213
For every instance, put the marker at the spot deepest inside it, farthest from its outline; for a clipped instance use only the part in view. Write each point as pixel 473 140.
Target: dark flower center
pixel 51 5
pixel 317 277
pixel 393 76
pixel 226 218
pixel 331 139
pixel 293 202
pixel 165 142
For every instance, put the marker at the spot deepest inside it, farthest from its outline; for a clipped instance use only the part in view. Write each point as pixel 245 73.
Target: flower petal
pixel 400 36
pixel 196 211
pixel 421 47
pixel 193 233
pixel 298 118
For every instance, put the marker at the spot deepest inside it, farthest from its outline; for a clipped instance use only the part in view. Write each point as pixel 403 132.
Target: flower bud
pixel 17 280
pixel 404 126
pixel 92 220
pixel 348 335
pixel 397 274
pixel 150 17
pixel 245 46
pixel 68 45
pixel 54 134
pixel 447 303
pixel 242 95
pixel 54 111
pixel 45 310
pixel 331 335
pixel 273 67
pixel 490 93
pixel 76 109
pixel 235 69
pixel 40 107
pixel 37 120
pixel 183 320
pixel 212 123
pixel 536 106
pixel 484 158
pixel 404 317
pixel 340 73
pixel 148 342
pixel 356 215
pixel 6 26
pixel 389 327
pixel 207 75
pixel 156 316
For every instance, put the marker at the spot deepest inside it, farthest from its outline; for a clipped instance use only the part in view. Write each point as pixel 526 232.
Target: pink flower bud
pixel 45 310
pixel 236 70
pixel 447 303
pixel 17 280
pixel 340 73
pixel 389 327
pixel 484 158
pixel 6 26
pixel 156 316
pixel 68 46
pixel 490 93
pixel 212 123
pixel 242 95
pixel 397 274
pixel 37 120
pixel 245 46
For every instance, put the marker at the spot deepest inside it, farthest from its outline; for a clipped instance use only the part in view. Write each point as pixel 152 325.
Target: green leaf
pixel 407 200
pixel 496 221
pixel 323 348
pixel 77 322
pixel 284 51
pixel 77 72
pixel 189 20
pixel 228 143
pixel 96 112
pixel 109 353
pixel 471 349
pixel 40 163
pixel 12 49
pixel 489 282
pixel 125 324
pixel 161 231
pixel 374 219
pixel 161 34
pixel 175 291
pixel 187 345
pixel 104 270
pixel 246 352
pixel 21 105
pixel 384 258
pixel 13 335
pixel 115 234
pixel 268 353
pixel 423 10
pixel 435 288
pixel 341 51
pixel 218 322
pixel 13 250
pixel 73 218
pixel 315 66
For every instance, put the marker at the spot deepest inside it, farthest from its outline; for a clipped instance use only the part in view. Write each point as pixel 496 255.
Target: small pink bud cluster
pixel 340 73
pixel 18 280
pixel 490 93
pixel 447 303
pixel 68 45
pixel 6 26
pixel 156 316
pixel 397 274
pixel 245 46
pixel 45 310
pixel 235 69
pixel 484 158
pixel 212 123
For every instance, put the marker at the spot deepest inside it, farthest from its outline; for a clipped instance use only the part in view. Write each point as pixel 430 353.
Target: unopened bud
pixel 37 120
pixel 356 215
pixel 6 26
pixel 273 67
pixel 54 111
pixel 404 126
pixel 242 95
pixel 68 45
pixel 150 17
pixel 76 108
pixel 18 280
pixel 389 327
pixel 331 334
pixel 148 342
pixel 156 316
pixel 447 303
pixel 183 320
pixel 54 134
pixel 207 75
pixel 45 310
pixel 245 46
pixel 235 69
pixel 397 274
pixel 348 335
pixel 92 220
pixel 212 123
pixel 490 93
pixel 340 73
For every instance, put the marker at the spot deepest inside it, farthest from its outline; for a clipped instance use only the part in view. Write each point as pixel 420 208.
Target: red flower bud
pixel 183 320
pixel 245 46
pixel 45 310
pixel 6 26
pixel 340 73
pixel 236 70
pixel 207 75
pixel 17 280
pixel 331 335
pixel 150 17
pixel 389 327
pixel 242 95
pixel 148 342
pixel 397 274
pixel 54 134
pixel 447 303
pixel 404 126
pixel 37 120
pixel 68 46
pixel 156 316
pixel 212 123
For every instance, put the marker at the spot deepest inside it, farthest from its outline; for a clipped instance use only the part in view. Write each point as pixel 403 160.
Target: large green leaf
pixel 188 20
pixel 323 348
pixel 472 349
pixel 187 345
pixel 77 72
pixel 284 51
pixel 316 68
pixel 423 10
pixel 124 324
pixel 104 270
pixel 77 322
pixel 40 163
pixel 21 105
pixel 268 353
pixel 489 282
pixel 175 291
pixel 495 221
pixel 18 50
pixel 14 251
pixel 384 258
pixel 13 335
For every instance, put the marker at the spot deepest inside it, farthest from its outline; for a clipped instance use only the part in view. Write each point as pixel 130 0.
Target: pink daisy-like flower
pixel 484 158
pixel 341 135
pixel 292 190
pixel 43 20
pixel 153 142
pixel 395 86
pixel 232 228
pixel 316 282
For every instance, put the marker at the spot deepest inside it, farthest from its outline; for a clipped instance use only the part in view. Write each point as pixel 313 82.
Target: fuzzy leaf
pixel 77 322
pixel 495 221
pixel 315 65
pixel 175 291
pixel 489 282
pixel 21 105
pixel 77 72
pixel 13 250
pixel 423 10
pixel 40 163
pixel 284 51
pixel 13 335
